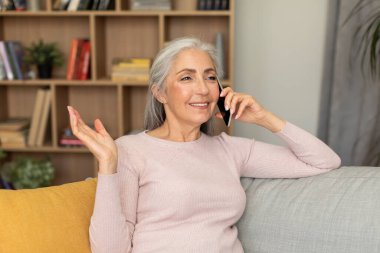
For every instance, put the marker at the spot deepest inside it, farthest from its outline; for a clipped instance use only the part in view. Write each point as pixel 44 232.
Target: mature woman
pixel 175 188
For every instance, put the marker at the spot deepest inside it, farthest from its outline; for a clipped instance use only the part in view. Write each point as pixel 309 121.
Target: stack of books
pixel 78 67
pixel 11 61
pixel 13 132
pixel 151 5
pixel 68 139
pixel 131 70
pixel 39 123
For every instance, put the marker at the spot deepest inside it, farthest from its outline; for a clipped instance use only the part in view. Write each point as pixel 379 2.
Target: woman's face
pixel 191 91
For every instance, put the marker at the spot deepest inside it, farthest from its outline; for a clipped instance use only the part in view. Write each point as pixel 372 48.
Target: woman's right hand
pixel 99 142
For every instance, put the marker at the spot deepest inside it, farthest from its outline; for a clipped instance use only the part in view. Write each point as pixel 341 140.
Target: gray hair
pixel 154 110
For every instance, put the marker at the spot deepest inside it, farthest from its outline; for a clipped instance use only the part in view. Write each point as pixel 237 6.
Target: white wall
pixel 279 50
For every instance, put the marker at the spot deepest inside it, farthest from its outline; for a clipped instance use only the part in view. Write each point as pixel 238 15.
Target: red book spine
pixel 85 67
pixel 78 60
pixel 72 58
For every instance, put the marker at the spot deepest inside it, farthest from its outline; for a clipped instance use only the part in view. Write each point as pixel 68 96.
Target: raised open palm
pixel 99 142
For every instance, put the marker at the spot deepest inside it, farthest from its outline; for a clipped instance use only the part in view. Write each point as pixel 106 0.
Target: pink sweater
pixel 186 196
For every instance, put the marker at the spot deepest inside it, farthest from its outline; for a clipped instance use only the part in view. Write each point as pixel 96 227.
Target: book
pixel 84 62
pixel 95 4
pixel 71 66
pixel 57 5
pixel 14 123
pixel 84 5
pixel 131 69
pixel 36 117
pixel 151 5
pixel 14 52
pixel 4 56
pixel 10 139
pixel 3 74
pixel 64 4
pixel 41 133
pixel 225 5
pixel 7 5
pixel 13 133
pixel 106 5
pixel 73 6
pixel 12 62
pixel 209 5
pixel 201 5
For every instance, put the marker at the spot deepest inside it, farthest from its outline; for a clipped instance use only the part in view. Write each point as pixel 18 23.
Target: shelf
pixel 58 82
pixel 119 33
pixel 47 149
pixel 113 13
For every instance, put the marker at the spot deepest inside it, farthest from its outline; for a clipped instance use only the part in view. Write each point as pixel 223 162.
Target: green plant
pixel 42 53
pixel 2 154
pixel 27 173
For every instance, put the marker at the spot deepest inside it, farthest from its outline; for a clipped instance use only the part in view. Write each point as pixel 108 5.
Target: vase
pixel 45 71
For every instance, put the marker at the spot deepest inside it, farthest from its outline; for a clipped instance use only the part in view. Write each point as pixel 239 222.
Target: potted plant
pixel 27 173
pixel 44 56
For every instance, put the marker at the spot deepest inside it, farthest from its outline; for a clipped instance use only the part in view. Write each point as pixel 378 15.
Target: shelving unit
pixel 116 33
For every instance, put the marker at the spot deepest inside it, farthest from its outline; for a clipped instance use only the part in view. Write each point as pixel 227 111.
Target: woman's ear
pixel 157 93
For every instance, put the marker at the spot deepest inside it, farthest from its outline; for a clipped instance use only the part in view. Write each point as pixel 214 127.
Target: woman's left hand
pixel 245 108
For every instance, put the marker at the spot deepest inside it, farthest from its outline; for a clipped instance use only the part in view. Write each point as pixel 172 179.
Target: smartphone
pixel 226 114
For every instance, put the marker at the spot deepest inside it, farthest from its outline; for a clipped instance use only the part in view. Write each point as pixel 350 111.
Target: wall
pixel 279 51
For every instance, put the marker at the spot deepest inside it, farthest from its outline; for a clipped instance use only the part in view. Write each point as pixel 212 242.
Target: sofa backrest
pixel 338 211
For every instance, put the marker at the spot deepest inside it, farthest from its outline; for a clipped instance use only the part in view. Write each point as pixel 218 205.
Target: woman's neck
pixel 176 133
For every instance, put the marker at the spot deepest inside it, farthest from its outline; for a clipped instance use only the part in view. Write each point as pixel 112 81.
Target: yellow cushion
pixel 51 219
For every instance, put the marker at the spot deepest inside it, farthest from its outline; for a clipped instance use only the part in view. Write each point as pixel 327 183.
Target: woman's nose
pixel 202 87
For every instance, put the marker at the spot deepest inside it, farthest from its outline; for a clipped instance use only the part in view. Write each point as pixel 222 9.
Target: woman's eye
pixel 213 78
pixel 185 78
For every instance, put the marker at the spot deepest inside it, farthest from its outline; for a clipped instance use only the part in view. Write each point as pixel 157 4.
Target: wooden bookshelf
pixel 115 33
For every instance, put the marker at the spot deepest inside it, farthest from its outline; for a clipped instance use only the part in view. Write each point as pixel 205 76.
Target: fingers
pixel 100 127
pixel 242 106
pixel 225 91
pixel 228 93
pixel 79 128
pixel 237 98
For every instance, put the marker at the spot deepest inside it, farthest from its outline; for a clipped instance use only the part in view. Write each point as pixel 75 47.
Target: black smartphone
pixel 226 114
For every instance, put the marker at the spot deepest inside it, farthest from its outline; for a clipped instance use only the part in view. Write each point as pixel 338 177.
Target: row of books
pixel 79 63
pixel 39 121
pixel 82 5
pixel 130 69
pixel 9 5
pixel 14 132
pixel 23 132
pixel 213 5
pixel 11 61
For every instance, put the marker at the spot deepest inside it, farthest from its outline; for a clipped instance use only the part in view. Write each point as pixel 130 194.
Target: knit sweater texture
pixel 186 197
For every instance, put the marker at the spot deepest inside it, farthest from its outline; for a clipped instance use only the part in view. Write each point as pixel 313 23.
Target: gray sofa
pixel 334 212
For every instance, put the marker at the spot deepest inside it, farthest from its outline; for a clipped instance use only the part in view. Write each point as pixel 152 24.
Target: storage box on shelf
pixel 115 33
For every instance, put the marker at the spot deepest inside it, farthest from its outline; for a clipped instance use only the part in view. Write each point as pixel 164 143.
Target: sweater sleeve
pixel 114 216
pixel 305 155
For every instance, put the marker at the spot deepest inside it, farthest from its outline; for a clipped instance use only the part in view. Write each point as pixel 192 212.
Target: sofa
pixel 337 211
